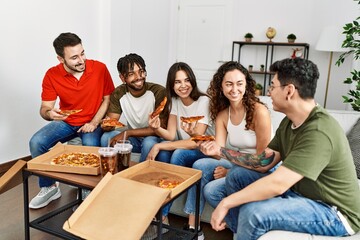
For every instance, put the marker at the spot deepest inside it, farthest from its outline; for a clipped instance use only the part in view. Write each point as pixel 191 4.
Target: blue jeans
pixel 59 131
pixel 289 211
pixel 207 166
pixel 147 145
pixel 186 157
pixel 107 136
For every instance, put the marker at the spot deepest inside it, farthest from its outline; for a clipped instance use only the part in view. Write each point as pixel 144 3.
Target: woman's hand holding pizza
pixel 189 128
pixel 188 124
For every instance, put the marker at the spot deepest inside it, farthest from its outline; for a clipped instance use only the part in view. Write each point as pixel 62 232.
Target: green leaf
pixel 348 81
pixel 352 41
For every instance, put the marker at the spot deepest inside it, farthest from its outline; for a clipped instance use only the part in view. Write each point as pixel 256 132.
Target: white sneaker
pixel 45 196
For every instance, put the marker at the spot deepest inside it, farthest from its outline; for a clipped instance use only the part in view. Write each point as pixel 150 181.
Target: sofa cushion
pixel 354 142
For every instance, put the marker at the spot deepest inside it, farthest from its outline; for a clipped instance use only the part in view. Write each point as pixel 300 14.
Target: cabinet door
pixel 204 40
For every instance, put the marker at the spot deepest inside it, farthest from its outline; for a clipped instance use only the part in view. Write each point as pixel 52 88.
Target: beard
pixel 75 68
pixel 135 87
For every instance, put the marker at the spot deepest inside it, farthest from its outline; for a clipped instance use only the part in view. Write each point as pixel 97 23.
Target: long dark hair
pixel 219 102
pixel 170 82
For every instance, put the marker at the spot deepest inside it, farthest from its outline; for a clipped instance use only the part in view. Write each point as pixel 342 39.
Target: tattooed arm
pixel 259 162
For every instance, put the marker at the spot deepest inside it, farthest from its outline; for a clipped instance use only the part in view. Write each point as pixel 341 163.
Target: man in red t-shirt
pixel 79 84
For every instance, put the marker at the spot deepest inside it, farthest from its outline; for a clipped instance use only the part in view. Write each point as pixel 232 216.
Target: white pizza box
pixel 43 162
pixel 122 208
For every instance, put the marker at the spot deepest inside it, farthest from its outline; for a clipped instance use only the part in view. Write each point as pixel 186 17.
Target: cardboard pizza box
pixel 43 162
pixel 12 177
pixel 160 170
pixel 122 208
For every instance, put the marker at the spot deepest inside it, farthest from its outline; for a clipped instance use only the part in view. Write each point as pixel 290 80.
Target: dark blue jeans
pixel 59 131
pixel 289 211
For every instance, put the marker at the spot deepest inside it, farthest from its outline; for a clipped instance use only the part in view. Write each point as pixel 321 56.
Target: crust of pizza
pixel 77 159
pixel 191 119
pixel 160 108
pixel 112 122
pixel 202 138
pixel 69 112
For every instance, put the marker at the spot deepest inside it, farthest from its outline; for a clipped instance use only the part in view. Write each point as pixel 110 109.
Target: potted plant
pixel 352 32
pixel 291 38
pixel 248 37
pixel 262 67
pixel 258 89
pixel 250 68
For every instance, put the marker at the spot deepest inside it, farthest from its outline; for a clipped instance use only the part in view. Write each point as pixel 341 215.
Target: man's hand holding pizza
pixel 54 114
pixel 154 122
pixel 109 124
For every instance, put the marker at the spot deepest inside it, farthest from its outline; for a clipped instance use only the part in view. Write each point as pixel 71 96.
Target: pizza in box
pixel 76 159
pixel 159 179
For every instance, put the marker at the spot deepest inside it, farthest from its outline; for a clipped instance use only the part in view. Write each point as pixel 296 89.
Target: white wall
pixel 306 19
pixel 110 29
pixel 27 31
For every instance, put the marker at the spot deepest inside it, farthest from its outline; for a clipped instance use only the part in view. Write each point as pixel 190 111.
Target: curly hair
pixel 219 102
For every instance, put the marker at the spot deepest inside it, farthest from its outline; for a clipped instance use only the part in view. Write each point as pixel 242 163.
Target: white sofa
pixel 346 119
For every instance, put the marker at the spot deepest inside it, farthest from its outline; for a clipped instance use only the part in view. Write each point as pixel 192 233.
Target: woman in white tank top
pixel 242 122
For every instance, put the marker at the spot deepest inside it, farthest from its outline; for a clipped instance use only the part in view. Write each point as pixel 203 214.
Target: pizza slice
pixel 69 112
pixel 191 119
pixel 112 122
pixel 168 184
pixel 160 108
pixel 202 138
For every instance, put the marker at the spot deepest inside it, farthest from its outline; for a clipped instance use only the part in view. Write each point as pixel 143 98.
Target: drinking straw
pixel 123 145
